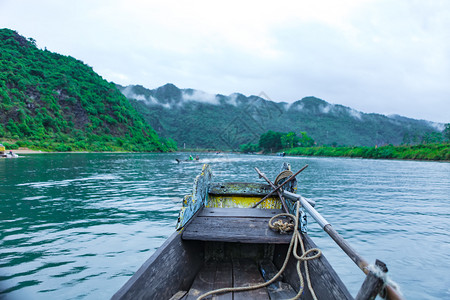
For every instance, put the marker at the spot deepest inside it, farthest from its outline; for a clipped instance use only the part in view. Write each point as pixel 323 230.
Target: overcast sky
pixel 389 57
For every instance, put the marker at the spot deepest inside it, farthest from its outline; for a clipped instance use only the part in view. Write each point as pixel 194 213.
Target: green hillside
pixel 415 152
pixel 200 120
pixel 56 102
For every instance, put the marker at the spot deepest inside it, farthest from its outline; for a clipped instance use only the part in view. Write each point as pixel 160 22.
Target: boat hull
pixel 179 265
pixel 170 269
pixel 222 242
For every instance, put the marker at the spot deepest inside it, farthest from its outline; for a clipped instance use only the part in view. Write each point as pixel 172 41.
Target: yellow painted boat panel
pixel 241 201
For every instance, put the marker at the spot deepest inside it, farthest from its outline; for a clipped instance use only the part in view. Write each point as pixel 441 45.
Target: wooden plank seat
pixel 243 225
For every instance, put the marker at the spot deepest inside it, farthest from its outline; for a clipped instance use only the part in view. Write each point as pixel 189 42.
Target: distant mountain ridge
pixel 200 120
pixel 56 102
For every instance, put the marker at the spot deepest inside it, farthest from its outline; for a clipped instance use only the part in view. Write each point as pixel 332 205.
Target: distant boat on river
pixel 5 154
pixel 190 159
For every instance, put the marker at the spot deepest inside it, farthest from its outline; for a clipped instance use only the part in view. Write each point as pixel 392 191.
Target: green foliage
pixel 289 140
pixel 272 141
pixel 432 138
pixel 415 152
pixel 61 104
pixel 169 143
pixel 446 132
pixel 10 146
pixel 230 121
pixel 305 140
pixel 249 148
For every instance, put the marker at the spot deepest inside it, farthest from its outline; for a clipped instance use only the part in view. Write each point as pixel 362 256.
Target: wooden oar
pixel 357 259
pixel 274 187
pixel 279 187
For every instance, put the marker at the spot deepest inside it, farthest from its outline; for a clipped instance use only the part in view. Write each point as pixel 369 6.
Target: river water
pixel 77 226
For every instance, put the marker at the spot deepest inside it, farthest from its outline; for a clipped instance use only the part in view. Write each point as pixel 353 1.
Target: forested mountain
pixel 197 119
pixel 57 102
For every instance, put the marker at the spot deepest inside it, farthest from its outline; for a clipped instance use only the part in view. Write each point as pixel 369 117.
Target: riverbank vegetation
pixel 273 141
pixel 433 147
pixel 413 152
pixel 91 144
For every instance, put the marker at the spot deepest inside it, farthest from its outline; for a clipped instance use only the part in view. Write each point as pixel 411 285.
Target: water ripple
pixel 77 226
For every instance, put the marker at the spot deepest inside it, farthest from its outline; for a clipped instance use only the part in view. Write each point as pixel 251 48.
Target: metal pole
pixel 318 217
pixel 326 226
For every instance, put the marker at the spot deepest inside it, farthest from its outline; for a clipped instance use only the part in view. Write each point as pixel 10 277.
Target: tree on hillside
pixel 49 101
pixel 305 140
pixel 249 148
pixel 270 141
pixel 289 140
pixel 446 132
pixel 432 138
pixel 406 139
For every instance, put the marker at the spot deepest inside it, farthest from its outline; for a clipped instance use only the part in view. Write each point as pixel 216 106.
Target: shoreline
pixel 24 151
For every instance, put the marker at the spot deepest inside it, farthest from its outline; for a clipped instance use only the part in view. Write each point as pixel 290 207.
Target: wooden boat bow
pixel 221 242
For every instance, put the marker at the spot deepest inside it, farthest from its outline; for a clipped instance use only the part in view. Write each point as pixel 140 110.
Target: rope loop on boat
pixel 293 245
pixel 280 226
pixel 283 176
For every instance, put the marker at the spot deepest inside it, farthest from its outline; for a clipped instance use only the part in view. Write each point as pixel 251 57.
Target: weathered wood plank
pixel 224 279
pixel 239 212
pixel 223 251
pixel 246 273
pixel 204 282
pixel 325 282
pixel 170 269
pixel 192 203
pixel 239 188
pixel 180 295
pixel 228 229
pixel 212 276
pixel 278 290
pixel 372 285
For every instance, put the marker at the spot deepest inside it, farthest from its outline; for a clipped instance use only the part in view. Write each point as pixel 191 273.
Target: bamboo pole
pixel 279 187
pixel 357 259
pixel 274 187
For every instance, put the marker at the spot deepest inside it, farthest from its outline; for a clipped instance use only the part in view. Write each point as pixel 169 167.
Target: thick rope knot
pixel 280 226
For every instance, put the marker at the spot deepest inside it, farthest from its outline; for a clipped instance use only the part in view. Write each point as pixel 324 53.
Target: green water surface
pixel 77 226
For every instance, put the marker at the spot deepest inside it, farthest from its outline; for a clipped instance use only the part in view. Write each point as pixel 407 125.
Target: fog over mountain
pixel 196 119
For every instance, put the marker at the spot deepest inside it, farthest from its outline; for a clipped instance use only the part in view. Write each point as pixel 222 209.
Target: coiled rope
pixel 293 245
